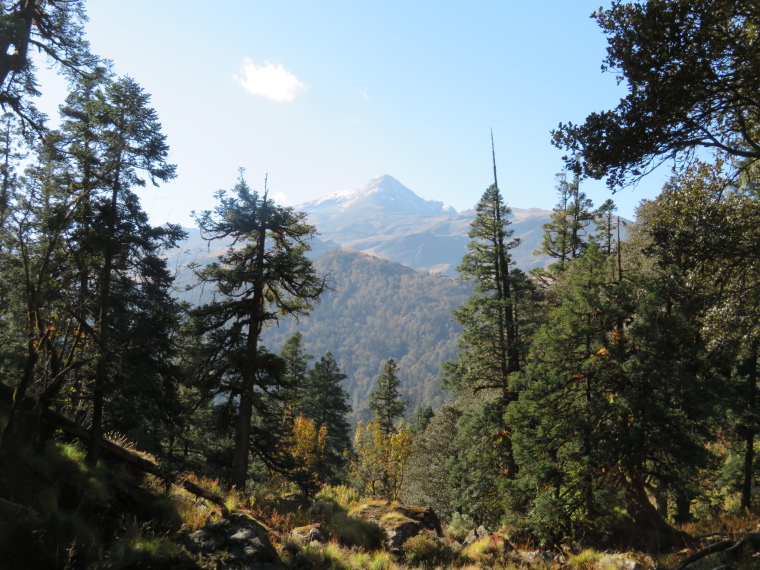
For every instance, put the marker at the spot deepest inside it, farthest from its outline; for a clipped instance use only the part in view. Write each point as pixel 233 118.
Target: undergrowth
pixel 75 515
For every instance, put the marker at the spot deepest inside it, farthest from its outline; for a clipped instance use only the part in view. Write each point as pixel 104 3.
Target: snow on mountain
pixel 382 195
pixel 386 219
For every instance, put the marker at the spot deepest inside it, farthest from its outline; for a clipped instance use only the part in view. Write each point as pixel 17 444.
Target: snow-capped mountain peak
pixel 381 195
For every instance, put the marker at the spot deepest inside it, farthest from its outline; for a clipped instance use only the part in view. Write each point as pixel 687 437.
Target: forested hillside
pixel 375 310
pixel 604 402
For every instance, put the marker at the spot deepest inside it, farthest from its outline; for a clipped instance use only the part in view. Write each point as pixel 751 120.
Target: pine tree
pixel 80 230
pixel 496 324
pixel 263 276
pixel 492 346
pixel 324 401
pixel 606 223
pixel 565 236
pixel 54 27
pixel 385 402
pixel 296 370
pixel 429 479
pixel 115 141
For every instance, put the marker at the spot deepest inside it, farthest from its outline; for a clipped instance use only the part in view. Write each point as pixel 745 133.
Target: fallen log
pixel 115 451
pixel 719 546
pixel 730 547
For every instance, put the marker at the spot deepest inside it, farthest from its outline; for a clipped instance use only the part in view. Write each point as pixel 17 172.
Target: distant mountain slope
pixel 386 219
pixel 396 307
pixel 376 310
pixel 382 195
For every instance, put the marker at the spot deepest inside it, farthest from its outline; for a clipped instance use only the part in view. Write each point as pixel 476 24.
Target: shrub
pixel 586 560
pixel 351 531
pixel 459 527
pixel 423 551
pixel 485 551
pixel 324 508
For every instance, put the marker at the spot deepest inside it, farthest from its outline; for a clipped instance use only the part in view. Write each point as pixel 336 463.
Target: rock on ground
pixel 237 542
pixel 400 522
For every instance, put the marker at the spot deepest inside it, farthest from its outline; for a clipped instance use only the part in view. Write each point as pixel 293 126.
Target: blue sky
pixel 325 95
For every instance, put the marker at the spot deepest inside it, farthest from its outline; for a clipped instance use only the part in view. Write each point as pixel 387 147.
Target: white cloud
pixel 271 80
pixel 365 95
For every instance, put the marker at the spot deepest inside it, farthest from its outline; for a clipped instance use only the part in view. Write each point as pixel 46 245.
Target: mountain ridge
pixel 387 219
pixel 383 193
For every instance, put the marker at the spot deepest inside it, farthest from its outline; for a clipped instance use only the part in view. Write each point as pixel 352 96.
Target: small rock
pixel 476 534
pixel 310 533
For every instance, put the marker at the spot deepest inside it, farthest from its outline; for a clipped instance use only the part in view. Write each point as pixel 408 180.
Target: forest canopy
pixel 607 398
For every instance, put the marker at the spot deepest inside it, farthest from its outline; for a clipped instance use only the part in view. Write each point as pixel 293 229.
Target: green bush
pixel 459 527
pixel 586 560
pixel 423 551
pixel 355 532
pixel 343 496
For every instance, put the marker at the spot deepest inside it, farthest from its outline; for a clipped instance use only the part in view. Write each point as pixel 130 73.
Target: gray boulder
pixel 237 542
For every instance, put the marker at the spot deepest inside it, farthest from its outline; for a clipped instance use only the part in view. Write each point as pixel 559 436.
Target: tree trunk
pixel 104 351
pixel 662 499
pixel 749 436
pixel 655 529
pixel 239 471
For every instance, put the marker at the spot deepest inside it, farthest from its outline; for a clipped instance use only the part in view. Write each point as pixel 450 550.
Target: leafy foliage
pixel 380 466
pixel 691 78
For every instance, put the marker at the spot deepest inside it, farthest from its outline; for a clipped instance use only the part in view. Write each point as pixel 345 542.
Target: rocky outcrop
pixel 236 542
pixel 399 522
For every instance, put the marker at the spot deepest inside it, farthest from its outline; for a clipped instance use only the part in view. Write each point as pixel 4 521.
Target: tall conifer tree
pixel 385 402
pixel 263 276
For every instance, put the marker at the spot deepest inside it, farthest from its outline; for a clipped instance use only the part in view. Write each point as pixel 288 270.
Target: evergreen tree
pixel 429 478
pixel 115 141
pixel 606 224
pixel 565 235
pixel 325 402
pixel 263 276
pixel 382 448
pixel 618 364
pixel 385 402
pixel 296 369
pixel 97 287
pixel 496 324
pixel 54 27
pixel 421 420
pixel 496 318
